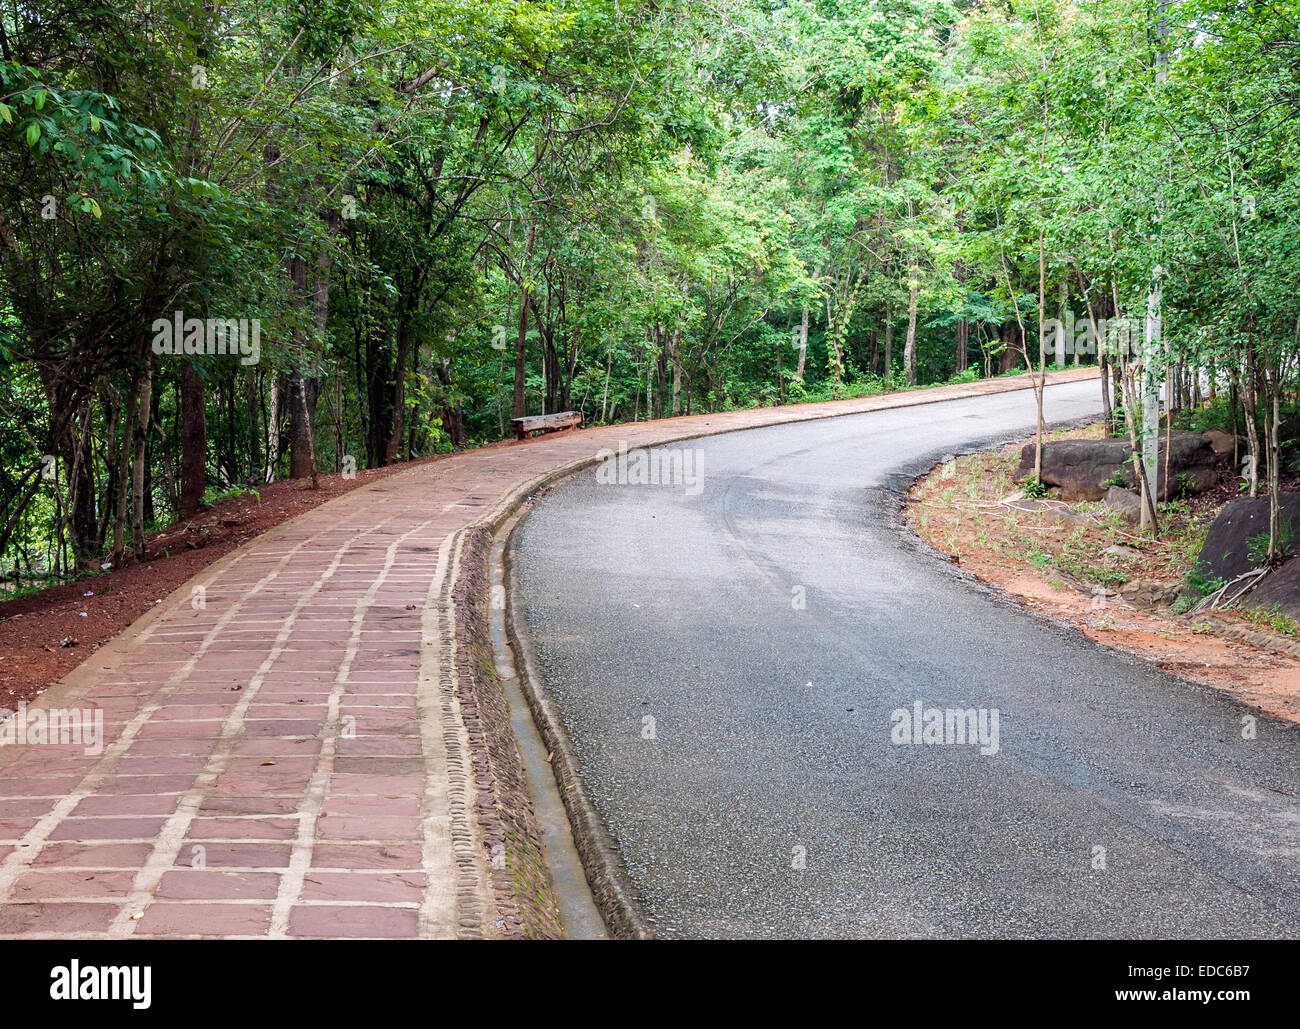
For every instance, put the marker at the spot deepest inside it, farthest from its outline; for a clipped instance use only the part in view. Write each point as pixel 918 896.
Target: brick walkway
pixel 285 749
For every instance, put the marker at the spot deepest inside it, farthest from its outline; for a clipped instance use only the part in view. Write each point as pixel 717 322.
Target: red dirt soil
pixel 1267 681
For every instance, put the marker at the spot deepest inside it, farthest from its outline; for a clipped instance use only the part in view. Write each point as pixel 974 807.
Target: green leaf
pixel 33 133
pixel 7 114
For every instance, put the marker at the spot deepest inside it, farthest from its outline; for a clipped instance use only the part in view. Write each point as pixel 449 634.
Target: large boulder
pixel 1280 588
pixel 1225 445
pixel 1084 469
pixel 1225 553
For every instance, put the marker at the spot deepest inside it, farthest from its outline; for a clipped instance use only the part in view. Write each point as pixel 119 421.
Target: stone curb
pixel 1265 641
pixel 611 887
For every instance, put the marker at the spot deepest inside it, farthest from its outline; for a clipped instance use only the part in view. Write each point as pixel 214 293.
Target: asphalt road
pixel 733 657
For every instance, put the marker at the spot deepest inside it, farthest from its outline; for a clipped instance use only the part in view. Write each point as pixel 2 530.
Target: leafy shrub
pixel 1257 545
pixel 1200 584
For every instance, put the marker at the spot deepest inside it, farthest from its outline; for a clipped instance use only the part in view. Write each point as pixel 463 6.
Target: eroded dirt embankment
pixel 1101 576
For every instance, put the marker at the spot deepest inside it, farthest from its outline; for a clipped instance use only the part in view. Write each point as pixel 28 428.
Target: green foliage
pixel 1257 546
pixel 1271 618
pixel 214 496
pixel 1199 583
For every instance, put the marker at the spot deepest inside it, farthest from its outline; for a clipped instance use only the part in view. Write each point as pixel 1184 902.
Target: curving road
pixel 735 659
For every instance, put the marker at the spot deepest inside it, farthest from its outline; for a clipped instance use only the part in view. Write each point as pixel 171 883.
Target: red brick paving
pixel 286 759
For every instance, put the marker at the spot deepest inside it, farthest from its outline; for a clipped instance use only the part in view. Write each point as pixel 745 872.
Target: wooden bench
pixel 521 427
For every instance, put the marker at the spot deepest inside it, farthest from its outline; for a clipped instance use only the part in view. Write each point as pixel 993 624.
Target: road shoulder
pixel 1052 562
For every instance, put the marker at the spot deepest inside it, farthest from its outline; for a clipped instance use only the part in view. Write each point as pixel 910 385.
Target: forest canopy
pixel 247 241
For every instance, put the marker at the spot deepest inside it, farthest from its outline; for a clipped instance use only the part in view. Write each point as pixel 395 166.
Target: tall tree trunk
pixel 141 450
pixel 111 401
pixel 1062 308
pixel 1275 385
pixel 320 313
pixel 521 340
pixel 803 344
pixel 520 407
pixel 1010 355
pixel 1041 381
pixel 649 373
pixel 273 429
pixel 1107 408
pixel 660 371
pixel 81 489
pixel 123 472
pixel 961 274
pixel 74 447
pixel 194 426
pixel 301 397
pixel 453 417
pixel 194 441
pixel 393 445
pixel 674 351
pixel 302 437
pixel 889 346
pixel 1249 393
pixel 1146 487
pixel 909 348
pixel 609 364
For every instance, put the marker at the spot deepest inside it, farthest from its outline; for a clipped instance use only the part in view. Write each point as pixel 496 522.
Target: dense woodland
pixel 431 215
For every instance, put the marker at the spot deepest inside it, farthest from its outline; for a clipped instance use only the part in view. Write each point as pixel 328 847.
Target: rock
pixel 1280 589
pixel 1225 444
pixel 1119 550
pixel 1225 552
pixel 1051 511
pixel 1126 504
pixel 1084 469
pixel 1081 468
pixel 1064 517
